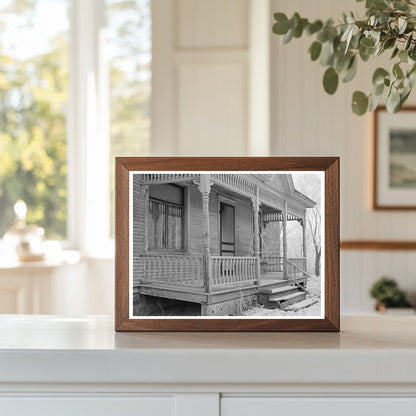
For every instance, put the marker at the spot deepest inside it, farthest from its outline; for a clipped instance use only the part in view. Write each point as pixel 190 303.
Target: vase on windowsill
pixel 24 241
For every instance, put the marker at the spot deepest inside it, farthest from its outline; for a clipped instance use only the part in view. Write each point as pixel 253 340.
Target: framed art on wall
pixel 394 176
pixel 227 244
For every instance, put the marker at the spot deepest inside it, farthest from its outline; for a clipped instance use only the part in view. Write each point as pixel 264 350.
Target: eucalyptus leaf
pixel 351 72
pixel 393 101
pixel 298 30
pixel 314 27
pixel 395 52
pixel 281 27
pixel 389 43
pixel 397 71
pixel 374 102
pixel 402 22
pixel 378 89
pixel 379 75
pixel 330 80
pixel 408 42
pixel 288 37
pixel 359 103
pixel 341 62
pixel 403 56
pixel 404 96
pixel 315 50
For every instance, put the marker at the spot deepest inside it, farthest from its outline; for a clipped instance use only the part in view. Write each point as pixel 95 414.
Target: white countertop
pixel 52 349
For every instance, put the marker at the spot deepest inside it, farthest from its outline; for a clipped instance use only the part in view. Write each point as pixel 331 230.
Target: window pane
pixel 175 216
pixel 156 230
pixel 33 100
pixel 129 46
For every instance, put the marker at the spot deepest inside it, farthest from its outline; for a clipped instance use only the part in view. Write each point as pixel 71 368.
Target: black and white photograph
pixel 226 244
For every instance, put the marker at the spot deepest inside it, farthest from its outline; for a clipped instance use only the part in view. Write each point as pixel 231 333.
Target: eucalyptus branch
pixel 388 26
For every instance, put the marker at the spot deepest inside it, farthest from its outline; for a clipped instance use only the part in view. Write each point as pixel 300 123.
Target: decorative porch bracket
pixel 204 185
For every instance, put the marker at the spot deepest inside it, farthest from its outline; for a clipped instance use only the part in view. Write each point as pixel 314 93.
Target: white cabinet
pixel 298 406
pixel 88 406
pixel 51 365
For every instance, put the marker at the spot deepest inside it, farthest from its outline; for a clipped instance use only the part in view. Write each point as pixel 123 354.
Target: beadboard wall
pixel 224 85
pixel 305 121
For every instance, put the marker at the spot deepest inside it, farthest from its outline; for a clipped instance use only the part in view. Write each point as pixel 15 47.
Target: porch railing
pixel 225 270
pixel 298 261
pixel 294 271
pixel 271 264
pixel 176 269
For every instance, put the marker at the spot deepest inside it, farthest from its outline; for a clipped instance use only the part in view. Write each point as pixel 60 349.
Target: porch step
pixel 282 290
pixel 273 284
pixel 278 296
pixel 287 300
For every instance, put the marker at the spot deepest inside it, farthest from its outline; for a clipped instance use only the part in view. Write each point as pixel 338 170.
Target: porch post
pixel 285 240
pixel 205 188
pixel 304 237
pixel 256 239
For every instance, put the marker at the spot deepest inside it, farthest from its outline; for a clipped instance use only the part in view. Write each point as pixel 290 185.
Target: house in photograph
pixel 217 241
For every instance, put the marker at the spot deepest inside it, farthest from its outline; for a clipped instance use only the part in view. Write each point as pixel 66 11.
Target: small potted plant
pixel 387 294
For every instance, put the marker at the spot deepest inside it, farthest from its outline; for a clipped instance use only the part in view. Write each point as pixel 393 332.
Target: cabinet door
pixel 88 406
pixel 270 406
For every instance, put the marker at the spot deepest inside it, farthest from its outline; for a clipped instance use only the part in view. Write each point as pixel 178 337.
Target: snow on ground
pixel 313 286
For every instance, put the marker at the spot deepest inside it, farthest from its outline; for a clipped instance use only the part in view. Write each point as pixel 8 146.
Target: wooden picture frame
pixel 132 170
pixel 391 176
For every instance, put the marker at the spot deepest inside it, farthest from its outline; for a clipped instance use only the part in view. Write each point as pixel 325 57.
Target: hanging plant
pixel 389 27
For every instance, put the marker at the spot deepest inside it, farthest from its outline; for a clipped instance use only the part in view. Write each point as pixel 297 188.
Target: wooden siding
pixel 271 237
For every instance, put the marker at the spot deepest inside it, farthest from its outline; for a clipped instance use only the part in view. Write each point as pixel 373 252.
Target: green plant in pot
pixel 387 294
pixel 389 27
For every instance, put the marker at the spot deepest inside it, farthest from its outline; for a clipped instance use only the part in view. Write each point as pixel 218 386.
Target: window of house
pixel 166 218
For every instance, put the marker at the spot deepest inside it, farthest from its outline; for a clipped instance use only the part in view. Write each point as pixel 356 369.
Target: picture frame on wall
pixel 394 151
pixel 227 244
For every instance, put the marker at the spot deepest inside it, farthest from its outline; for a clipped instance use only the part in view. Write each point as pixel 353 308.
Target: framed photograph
pixel 227 244
pixel 395 159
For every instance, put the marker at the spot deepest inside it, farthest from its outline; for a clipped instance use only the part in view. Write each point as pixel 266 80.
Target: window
pixel 33 112
pixel 166 218
pixel 75 88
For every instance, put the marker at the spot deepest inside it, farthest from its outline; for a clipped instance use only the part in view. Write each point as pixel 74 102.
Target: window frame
pixel 166 204
pixel 88 133
pixel 185 223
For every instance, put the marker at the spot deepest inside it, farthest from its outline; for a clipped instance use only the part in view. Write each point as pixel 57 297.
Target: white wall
pixel 202 83
pixel 308 122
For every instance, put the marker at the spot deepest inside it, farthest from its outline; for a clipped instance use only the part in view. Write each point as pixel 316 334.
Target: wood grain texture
pixel 376 205
pixel 378 245
pixel 330 165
